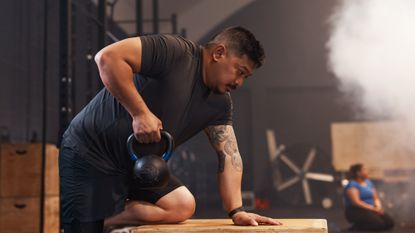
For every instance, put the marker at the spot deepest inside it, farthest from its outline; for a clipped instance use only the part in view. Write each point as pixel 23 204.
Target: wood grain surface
pixel 226 225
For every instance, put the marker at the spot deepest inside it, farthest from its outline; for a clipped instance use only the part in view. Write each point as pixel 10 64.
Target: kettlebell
pixel 150 170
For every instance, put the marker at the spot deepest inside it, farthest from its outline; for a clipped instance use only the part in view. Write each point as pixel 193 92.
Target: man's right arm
pixel 117 63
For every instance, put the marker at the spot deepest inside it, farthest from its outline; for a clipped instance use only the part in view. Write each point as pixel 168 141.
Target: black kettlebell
pixel 150 170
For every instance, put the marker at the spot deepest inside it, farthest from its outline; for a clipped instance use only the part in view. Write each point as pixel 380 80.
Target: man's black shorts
pixel 89 195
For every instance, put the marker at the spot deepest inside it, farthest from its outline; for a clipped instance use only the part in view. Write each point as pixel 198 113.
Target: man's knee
pixel 180 204
pixel 186 206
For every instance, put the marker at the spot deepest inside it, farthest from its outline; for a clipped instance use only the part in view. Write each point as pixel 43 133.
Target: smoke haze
pixel 371 51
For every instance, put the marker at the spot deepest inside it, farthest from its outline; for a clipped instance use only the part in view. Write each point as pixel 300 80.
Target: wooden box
pixel 20 170
pixel 22 215
pixel 20 188
pixel 381 146
pixel 226 225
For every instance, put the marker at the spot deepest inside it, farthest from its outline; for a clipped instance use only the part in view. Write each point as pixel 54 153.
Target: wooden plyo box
pixel 20 188
pixel 381 146
pixel 20 170
pixel 226 225
pixel 22 215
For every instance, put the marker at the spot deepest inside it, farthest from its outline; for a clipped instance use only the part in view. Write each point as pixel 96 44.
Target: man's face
pixel 227 71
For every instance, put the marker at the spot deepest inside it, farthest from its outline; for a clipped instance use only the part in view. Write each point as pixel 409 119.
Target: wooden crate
pixel 22 215
pixel 20 170
pixel 226 225
pixel 51 215
pixel 381 146
pixel 20 177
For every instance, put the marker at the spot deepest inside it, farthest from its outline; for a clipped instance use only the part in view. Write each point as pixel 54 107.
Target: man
pixel 181 88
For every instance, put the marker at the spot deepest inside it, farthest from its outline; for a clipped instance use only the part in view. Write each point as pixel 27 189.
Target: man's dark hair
pixel 242 42
pixel 353 170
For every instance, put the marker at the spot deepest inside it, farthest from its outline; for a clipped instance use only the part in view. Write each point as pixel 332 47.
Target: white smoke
pixel 372 49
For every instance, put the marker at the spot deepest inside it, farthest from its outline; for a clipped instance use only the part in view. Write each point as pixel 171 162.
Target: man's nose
pixel 239 81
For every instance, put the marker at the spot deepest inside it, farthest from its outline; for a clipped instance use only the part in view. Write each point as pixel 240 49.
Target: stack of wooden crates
pixel 20 188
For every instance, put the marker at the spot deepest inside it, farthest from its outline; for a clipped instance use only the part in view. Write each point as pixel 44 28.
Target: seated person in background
pixel 363 207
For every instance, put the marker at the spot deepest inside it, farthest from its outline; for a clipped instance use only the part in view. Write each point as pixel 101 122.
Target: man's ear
pixel 219 52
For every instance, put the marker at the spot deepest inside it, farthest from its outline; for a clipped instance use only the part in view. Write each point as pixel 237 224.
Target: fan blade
pixel 290 164
pixel 309 160
pixel 319 176
pixel 272 145
pixel 288 183
pixel 307 193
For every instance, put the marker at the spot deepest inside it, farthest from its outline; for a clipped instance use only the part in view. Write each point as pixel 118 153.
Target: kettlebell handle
pixel 164 135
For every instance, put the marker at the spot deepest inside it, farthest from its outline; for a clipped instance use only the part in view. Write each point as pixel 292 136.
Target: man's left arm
pixel 230 168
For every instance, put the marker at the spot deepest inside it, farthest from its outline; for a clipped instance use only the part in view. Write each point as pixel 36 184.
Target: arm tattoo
pixel 230 146
pixel 231 149
pixel 221 159
pixel 237 162
pixel 217 134
pixel 225 135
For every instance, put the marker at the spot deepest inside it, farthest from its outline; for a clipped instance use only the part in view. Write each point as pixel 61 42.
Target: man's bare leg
pixel 176 206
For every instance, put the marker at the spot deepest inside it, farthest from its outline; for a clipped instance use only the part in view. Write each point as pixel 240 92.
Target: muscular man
pixel 152 83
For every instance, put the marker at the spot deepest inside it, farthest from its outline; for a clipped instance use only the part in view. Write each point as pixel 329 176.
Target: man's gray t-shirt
pixel 170 82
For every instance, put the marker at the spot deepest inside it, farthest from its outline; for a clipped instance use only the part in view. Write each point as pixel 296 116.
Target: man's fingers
pixel 266 220
pixel 143 138
pixel 157 136
pixel 253 222
pixel 272 221
pixel 138 137
pixel 147 138
pixel 245 221
pixel 276 222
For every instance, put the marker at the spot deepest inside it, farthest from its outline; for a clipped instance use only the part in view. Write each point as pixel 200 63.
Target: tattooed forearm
pixel 217 134
pixel 230 146
pixel 221 160
pixel 224 140
pixel 231 149
pixel 237 162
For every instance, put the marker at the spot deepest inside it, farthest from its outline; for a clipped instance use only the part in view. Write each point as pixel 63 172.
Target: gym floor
pixel 335 218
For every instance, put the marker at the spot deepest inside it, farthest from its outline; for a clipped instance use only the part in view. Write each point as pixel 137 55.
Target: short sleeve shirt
pixel 365 192
pixel 170 82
